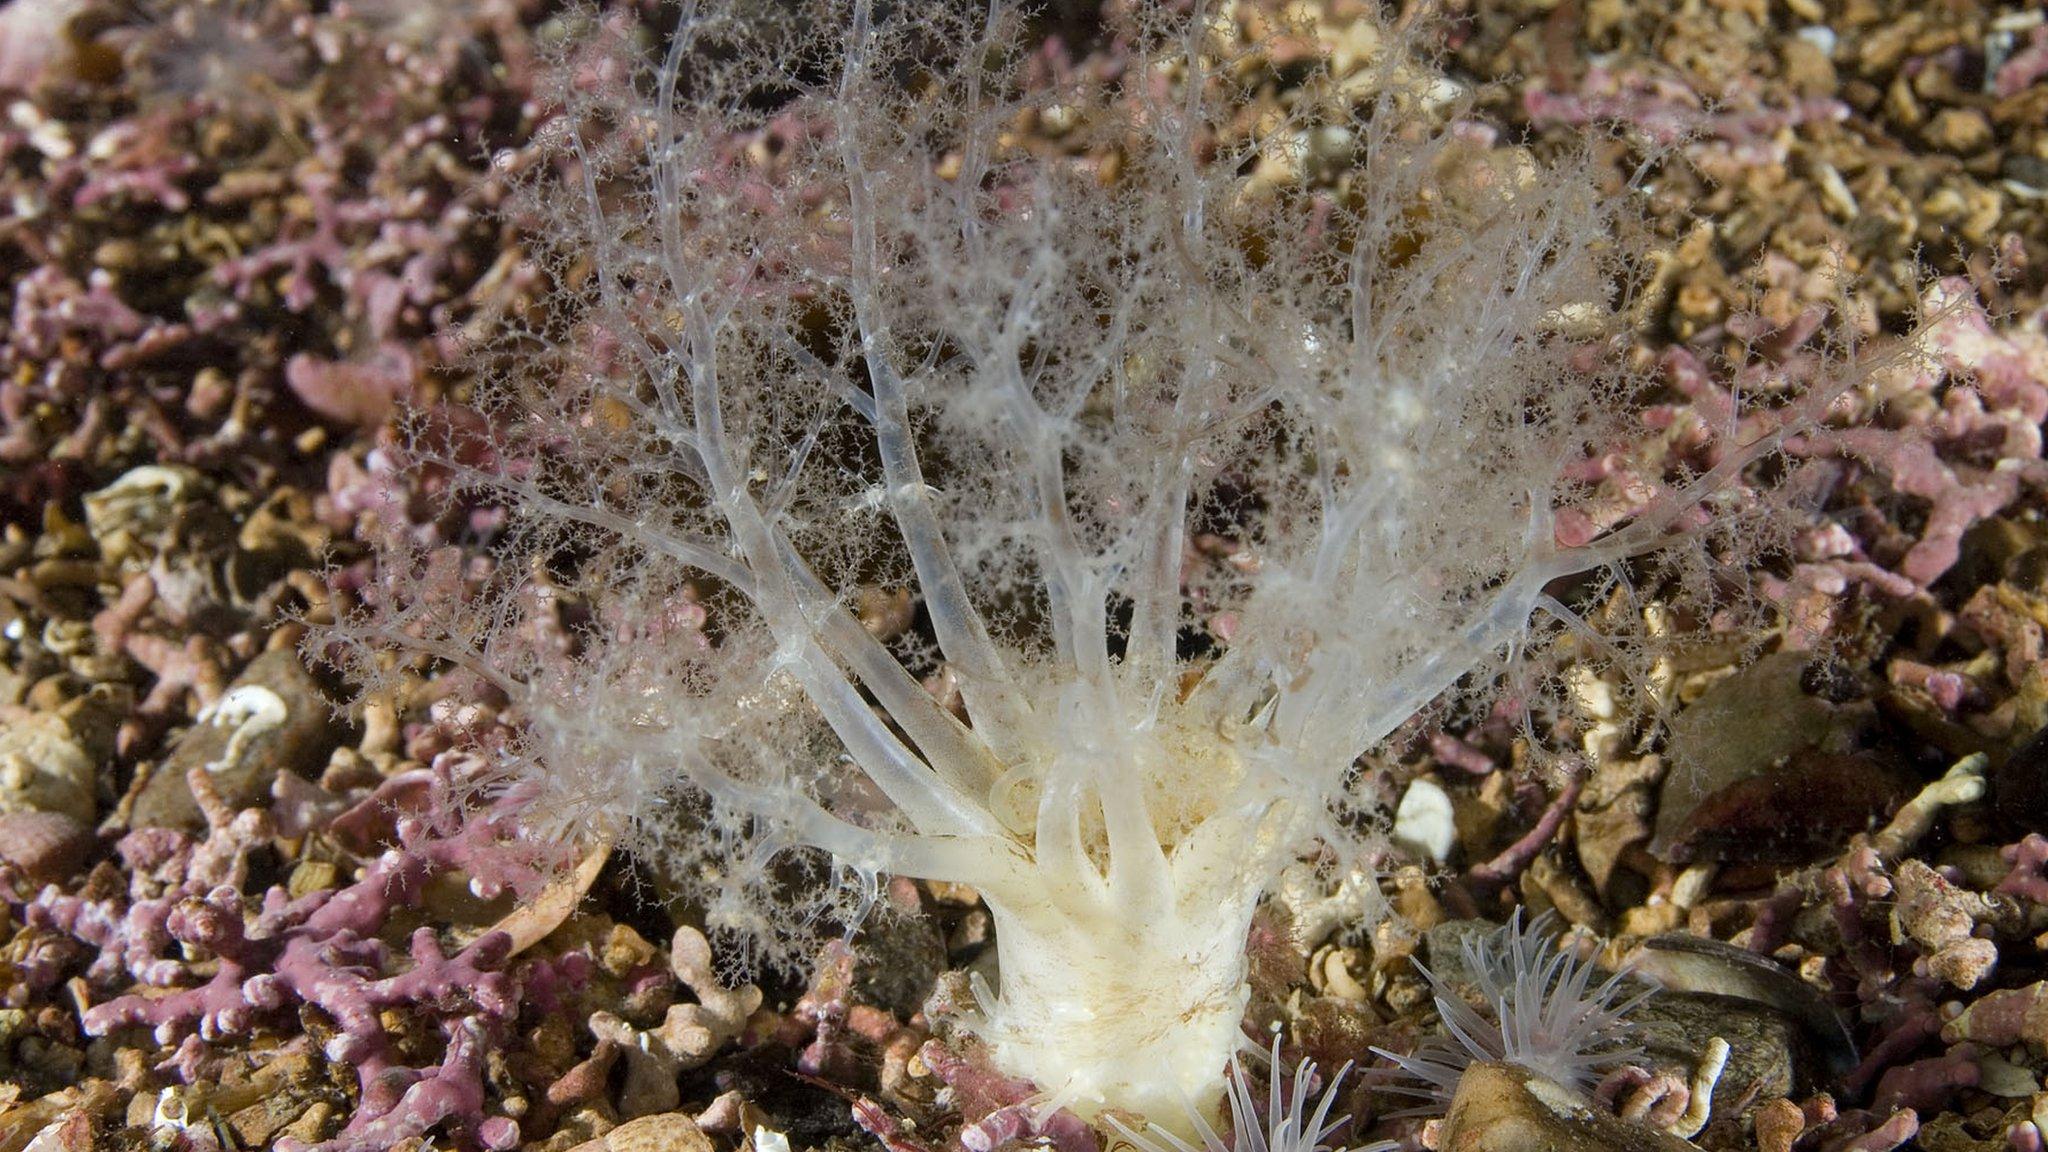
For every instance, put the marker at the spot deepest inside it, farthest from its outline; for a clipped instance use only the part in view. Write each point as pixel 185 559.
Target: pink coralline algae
pixel 274 953
pixel 51 308
pixel 1736 129
pixel 1954 430
pixel 1978 404
pixel 363 393
pixel 352 195
pixel 1003 1110
pixel 2029 875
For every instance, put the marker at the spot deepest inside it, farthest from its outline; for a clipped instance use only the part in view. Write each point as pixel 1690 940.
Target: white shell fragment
pixel 132 516
pixel 1424 822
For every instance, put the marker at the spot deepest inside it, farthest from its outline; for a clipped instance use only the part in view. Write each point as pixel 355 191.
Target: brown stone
pixel 274 718
pixel 1958 130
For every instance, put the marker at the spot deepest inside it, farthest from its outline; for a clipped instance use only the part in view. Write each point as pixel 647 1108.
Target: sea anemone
pixel 233 55
pixel 1548 1016
pixel 1289 1126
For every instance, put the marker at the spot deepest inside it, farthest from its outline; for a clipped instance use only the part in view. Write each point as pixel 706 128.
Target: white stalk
pixel 1099 1008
